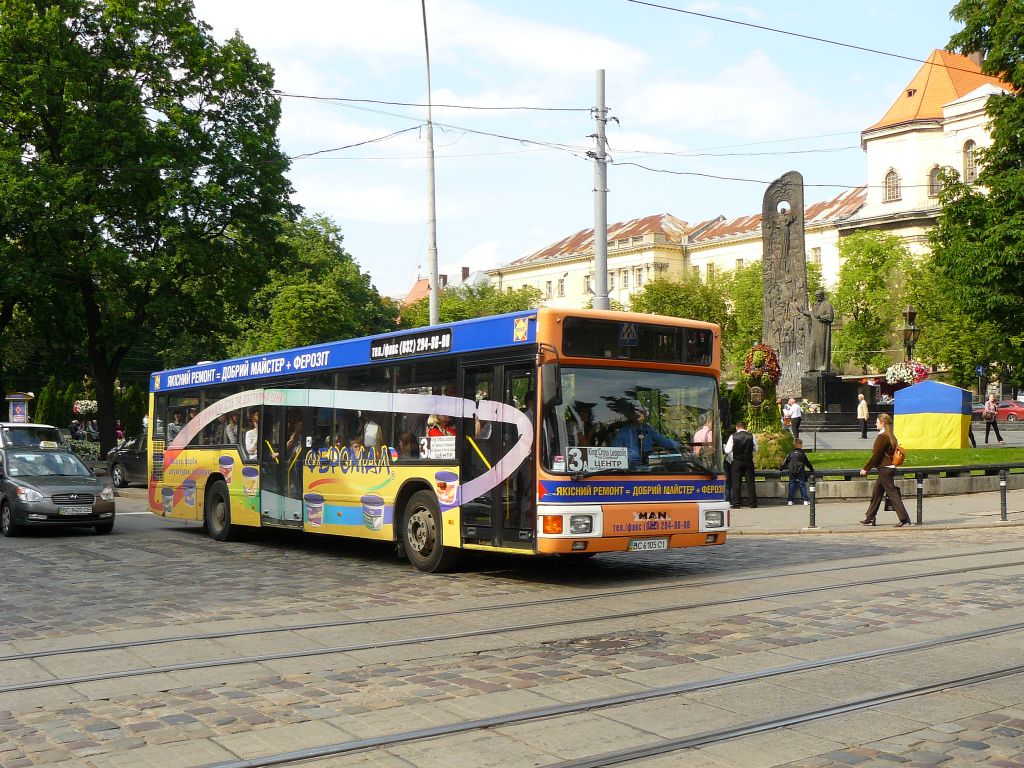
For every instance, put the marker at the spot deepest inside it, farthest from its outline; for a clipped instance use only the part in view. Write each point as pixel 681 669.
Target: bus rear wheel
pixel 423 535
pixel 217 515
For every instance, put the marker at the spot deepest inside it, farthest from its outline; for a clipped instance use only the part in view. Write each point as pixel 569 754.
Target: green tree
pixel 978 242
pixel 867 298
pixel 744 291
pixel 462 302
pixel 317 293
pixel 145 169
pixel 951 339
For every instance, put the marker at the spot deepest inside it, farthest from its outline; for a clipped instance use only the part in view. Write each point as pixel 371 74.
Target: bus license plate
pixel 75 510
pixel 647 545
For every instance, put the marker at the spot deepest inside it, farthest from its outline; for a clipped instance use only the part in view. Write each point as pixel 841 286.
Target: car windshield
pixel 616 420
pixel 25 464
pixel 31 435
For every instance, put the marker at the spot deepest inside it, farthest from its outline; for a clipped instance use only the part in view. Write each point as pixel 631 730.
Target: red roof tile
pixel 583 241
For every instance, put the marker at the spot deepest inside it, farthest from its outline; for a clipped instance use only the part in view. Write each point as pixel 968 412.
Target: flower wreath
pixel 762 362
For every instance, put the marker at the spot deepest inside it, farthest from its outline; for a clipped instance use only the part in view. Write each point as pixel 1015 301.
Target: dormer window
pixel 970 163
pixel 892 186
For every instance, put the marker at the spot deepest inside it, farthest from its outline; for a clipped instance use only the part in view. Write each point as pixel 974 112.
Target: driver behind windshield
pixel 639 438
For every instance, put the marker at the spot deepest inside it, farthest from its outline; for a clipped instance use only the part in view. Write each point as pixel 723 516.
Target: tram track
pixel 510 628
pixel 667 745
pixel 602 595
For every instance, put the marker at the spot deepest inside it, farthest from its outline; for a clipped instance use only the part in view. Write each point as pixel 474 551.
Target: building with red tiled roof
pixel 937 121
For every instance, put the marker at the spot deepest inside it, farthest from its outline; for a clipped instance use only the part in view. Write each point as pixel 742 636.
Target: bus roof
pixel 478 334
pixel 493 332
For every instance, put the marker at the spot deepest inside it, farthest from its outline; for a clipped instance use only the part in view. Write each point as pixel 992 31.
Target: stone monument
pixel 785 279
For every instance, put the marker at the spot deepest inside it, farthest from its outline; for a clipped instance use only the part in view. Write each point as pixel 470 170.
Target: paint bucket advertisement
pixel 446 484
pixel 373 511
pixel 227 468
pixel 188 490
pixel 314 509
pixel 167 498
pixel 250 480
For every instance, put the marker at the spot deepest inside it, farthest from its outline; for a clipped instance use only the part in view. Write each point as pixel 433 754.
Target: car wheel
pixel 217 515
pixel 423 537
pixel 7 525
pixel 104 528
pixel 117 476
pixel 1011 417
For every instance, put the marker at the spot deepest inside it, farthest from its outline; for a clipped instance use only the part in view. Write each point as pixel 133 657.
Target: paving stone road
pixel 153 579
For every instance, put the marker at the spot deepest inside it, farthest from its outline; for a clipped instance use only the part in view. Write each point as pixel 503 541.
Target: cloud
pixel 752 99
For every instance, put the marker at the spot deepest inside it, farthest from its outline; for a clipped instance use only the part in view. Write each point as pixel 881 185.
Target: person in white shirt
pixel 795 414
pixel 862 416
pixel 370 430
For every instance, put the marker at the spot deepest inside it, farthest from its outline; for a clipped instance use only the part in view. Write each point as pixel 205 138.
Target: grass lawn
pixel 920 458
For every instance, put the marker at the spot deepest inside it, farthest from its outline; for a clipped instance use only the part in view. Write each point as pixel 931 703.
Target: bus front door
pixel 281 466
pixel 505 515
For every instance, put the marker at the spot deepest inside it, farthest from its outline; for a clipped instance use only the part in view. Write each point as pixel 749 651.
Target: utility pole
pixel 431 203
pixel 600 113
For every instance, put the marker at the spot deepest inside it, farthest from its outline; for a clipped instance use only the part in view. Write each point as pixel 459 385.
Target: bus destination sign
pixel 411 345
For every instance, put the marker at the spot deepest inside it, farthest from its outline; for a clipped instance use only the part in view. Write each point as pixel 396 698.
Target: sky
pixel 692 99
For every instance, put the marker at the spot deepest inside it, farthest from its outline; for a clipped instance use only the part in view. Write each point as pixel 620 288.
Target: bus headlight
pixel 579 524
pixel 714 518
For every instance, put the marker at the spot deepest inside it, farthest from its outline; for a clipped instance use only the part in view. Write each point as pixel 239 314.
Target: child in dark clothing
pixel 797 465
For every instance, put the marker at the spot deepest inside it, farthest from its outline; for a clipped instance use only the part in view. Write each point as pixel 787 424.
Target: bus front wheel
pixel 423 535
pixel 218 513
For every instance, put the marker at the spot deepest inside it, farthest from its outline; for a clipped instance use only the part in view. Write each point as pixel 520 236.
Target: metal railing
pixel 919 474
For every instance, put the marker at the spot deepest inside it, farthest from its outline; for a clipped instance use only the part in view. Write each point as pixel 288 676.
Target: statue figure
pixel 785 277
pixel 819 347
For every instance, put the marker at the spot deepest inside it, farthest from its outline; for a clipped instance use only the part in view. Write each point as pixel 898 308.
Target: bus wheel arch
pixel 422 533
pixel 217 512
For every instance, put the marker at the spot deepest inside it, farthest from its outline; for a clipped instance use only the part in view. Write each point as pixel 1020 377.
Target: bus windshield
pixel 615 420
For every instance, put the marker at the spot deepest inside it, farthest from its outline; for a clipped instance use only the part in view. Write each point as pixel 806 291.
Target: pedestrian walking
pixel 742 445
pixel 862 416
pixel 989 414
pixel 796 413
pixel 797 465
pixel 881 456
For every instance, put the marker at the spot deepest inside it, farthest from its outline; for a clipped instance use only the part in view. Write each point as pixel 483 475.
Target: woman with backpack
pixel 989 414
pixel 882 453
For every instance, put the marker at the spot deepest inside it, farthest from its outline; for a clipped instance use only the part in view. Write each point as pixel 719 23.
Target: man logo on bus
pixel 650 515
pixel 521 329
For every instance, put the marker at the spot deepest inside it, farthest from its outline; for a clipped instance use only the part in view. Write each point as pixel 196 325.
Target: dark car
pixel 127 463
pixel 48 487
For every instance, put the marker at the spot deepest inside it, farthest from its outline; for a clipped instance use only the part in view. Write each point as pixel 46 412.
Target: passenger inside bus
pixel 639 438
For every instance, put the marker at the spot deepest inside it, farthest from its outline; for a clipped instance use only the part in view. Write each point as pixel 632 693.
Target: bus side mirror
pixel 551 384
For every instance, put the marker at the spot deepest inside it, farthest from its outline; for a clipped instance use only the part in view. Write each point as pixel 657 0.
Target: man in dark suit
pixel 742 446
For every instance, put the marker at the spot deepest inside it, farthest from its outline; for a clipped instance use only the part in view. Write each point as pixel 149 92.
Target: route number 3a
pixel 575 462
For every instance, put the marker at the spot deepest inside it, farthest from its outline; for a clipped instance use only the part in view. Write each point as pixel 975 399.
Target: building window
pixel 611 281
pixel 625 278
pixel 561 286
pixel 892 186
pixel 816 255
pixel 639 276
pixel 970 164
pixel 696 271
pixel 709 271
pixel 739 263
pixel 934 185
pixel 586 284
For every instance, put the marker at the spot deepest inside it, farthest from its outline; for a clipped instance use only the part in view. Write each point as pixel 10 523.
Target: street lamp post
pixel 911 333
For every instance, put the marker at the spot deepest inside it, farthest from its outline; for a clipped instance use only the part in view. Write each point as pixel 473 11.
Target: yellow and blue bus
pixel 539 432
